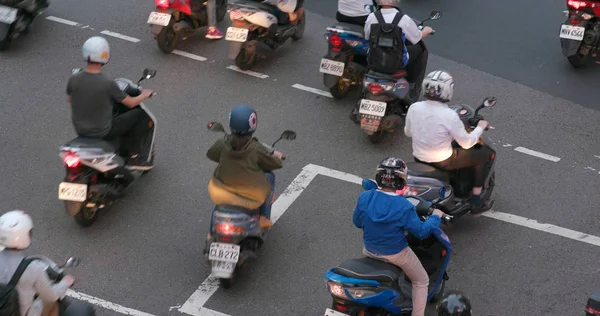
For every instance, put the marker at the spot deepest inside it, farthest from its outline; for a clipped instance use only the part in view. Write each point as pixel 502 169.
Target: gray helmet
pixel 393 3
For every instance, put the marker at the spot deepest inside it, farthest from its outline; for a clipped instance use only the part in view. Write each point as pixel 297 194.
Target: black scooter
pixel 16 18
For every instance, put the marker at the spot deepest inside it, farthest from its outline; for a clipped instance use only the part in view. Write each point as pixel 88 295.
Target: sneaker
pixel 265 223
pixel 214 33
pixel 137 163
pixel 484 207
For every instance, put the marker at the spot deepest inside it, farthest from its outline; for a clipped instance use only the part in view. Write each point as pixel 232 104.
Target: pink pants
pixel 412 267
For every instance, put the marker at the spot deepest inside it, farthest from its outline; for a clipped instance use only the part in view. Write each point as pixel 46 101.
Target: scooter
pixel 452 191
pixel 367 286
pixel 580 33
pixel 259 29
pixel 236 236
pixel 176 20
pixel 96 171
pixel 16 18
pixel 386 98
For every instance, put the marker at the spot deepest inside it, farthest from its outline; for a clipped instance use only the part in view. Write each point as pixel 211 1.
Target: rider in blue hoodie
pixel 384 216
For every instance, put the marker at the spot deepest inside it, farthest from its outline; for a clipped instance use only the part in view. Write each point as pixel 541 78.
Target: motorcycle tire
pixel 577 61
pixel 245 60
pixel 340 90
pixel 167 39
pixel 86 215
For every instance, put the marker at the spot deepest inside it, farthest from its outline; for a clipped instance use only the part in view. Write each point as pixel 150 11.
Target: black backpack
pixel 9 297
pixel 386 47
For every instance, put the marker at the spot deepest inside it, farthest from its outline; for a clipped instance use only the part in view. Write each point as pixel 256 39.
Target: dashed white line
pixel 188 55
pixel 121 36
pixel 63 21
pixel 537 154
pixel 313 90
pixel 106 304
pixel 248 72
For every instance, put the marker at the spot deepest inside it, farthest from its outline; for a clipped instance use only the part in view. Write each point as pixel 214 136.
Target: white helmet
pixel 15 230
pixel 438 86
pixel 96 50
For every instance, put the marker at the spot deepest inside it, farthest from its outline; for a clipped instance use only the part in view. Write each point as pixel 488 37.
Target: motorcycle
pixel 16 17
pixel 367 286
pixel 386 98
pixel 258 29
pixel 451 191
pixel 96 171
pixel 179 19
pixel 345 63
pixel 237 236
pixel 580 33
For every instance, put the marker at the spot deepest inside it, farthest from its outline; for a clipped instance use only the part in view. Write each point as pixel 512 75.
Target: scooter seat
pixel 370 269
pixel 418 169
pixel 257 5
pixel 92 143
pixel 235 208
pixel 380 75
pixel 353 29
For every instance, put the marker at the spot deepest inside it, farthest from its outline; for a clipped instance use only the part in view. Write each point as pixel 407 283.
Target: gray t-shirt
pixel 92 98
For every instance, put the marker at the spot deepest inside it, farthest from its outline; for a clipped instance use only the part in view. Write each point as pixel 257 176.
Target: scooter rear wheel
pixel 86 215
pixel 167 39
pixel 245 60
pixel 340 90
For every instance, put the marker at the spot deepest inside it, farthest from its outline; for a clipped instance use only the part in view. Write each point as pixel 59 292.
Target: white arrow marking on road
pixel 537 154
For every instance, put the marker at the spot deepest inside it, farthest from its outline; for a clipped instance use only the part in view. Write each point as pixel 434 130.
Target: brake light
pixel 227 229
pixel 71 160
pixel 335 40
pixel 375 88
pixel 592 311
pixel 572 4
pixel 239 23
pixel 235 15
pixel 163 4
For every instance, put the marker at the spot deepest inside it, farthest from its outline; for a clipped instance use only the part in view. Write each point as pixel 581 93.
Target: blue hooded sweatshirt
pixel 384 216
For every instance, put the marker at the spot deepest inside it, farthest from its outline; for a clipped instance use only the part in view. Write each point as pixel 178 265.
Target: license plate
pixel 331 312
pixel 222 269
pixel 158 18
pixel 332 67
pixel 236 34
pixel 72 191
pixel 224 252
pixel 370 107
pixel 7 14
pixel 572 32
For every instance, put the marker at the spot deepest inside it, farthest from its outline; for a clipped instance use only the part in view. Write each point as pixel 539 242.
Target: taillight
pixel 227 229
pixel 235 15
pixel 71 160
pixel 591 311
pixel 375 88
pixel 163 4
pixel 576 5
pixel 335 40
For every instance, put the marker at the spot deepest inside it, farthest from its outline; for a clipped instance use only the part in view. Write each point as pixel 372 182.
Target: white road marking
pixel 121 36
pixel 188 55
pixel 537 154
pixel 105 304
pixel 597 156
pixel 248 72
pixel 63 21
pixel 312 90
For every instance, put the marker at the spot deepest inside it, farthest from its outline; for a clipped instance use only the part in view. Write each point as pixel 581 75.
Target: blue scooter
pixel 367 286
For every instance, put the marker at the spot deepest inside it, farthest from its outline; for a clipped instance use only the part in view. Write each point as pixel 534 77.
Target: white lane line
pixel 537 154
pixel 248 72
pixel 194 304
pixel 105 304
pixel 121 36
pixel 188 55
pixel 63 21
pixel 313 90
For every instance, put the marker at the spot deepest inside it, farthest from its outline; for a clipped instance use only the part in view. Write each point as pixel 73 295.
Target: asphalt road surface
pixel 144 255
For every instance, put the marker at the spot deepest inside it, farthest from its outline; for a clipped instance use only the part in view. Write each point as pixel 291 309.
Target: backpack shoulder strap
pixel 379 17
pixel 399 15
pixel 17 276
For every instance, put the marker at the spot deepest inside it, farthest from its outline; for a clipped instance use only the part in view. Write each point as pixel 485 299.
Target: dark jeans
pixel 132 130
pixel 357 20
pixel 417 65
pixel 468 158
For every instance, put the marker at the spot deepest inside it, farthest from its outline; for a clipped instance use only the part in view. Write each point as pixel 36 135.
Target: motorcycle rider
pixel 384 216
pixel 92 94
pixel 353 11
pixel 212 32
pixel 433 125
pixel 15 236
pixel 243 177
pixel 293 8
pixel 454 303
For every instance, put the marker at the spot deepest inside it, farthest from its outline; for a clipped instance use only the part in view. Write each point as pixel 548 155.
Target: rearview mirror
pixel 369 8
pixel 76 70
pixel 288 135
pixel 435 15
pixel 72 262
pixel 216 127
pixel 149 73
pixel 489 102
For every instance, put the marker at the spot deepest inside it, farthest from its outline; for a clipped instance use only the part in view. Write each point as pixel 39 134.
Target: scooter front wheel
pixel 167 39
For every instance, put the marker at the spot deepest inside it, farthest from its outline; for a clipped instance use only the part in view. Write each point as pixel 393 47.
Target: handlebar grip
pixel 447 219
pixel 432 32
pixel 282 157
pixel 152 94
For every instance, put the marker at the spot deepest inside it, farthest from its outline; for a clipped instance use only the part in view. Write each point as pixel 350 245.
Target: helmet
pixel 391 173
pixel 242 120
pixel 454 304
pixel 96 50
pixel 393 3
pixel 15 230
pixel 438 86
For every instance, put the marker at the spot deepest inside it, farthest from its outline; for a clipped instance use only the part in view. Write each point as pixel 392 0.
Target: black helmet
pixel 454 304
pixel 391 173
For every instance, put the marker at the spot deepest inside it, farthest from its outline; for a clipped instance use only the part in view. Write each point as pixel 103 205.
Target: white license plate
pixel 72 191
pixel 331 312
pixel 236 34
pixel 222 269
pixel 158 18
pixel 370 107
pixel 224 252
pixel 7 14
pixel 332 67
pixel 572 32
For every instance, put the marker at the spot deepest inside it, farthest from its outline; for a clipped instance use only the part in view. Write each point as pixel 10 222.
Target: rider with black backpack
pixel 22 278
pixel 388 30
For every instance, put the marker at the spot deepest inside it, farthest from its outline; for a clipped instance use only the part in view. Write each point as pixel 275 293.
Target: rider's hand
pixel 69 279
pixel 438 213
pixel 483 124
pixel 427 30
pixel 277 154
pixel 146 93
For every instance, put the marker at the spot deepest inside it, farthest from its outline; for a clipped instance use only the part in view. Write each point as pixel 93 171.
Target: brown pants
pixel 412 267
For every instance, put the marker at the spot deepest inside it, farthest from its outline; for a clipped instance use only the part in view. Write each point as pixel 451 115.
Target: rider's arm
pixel 120 96
pixel 413 224
pixel 458 132
pixel 370 20
pixel 47 291
pixel 411 30
pixel 408 123
pixel 357 217
pixel 267 161
pixel 214 152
